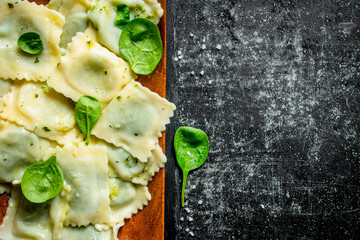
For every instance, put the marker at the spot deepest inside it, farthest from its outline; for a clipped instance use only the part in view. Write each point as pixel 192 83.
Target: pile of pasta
pixel 105 181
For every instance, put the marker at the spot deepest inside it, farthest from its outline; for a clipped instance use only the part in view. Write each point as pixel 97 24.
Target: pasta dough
pixel 86 233
pixel 28 17
pixel 12 161
pixel 32 220
pixel 5 188
pixel 42 110
pixel 25 220
pixel 4 86
pixel 90 69
pixel 126 199
pixel 75 13
pixel 6 228
pixel 85 170
pixel 102 13
pixel 134 120
pixel 130 169
pixel 105 181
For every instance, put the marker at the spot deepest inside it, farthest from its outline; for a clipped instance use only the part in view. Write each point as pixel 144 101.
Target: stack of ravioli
pixel 105 181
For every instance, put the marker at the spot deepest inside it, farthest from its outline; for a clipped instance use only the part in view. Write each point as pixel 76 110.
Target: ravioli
pixel 131 169
pixel 102 13
pixel 75 13
pixel 105 182
pixel 5 188
pixel 90 69
pixel 85 233
pixel 25 17
pixel 25 220
pixel 85 170
pixel 32 220
pixel 126 199
pixel 134 120
pixel 12 161
pixel 6 228
pixel 40 109
pixel 4 86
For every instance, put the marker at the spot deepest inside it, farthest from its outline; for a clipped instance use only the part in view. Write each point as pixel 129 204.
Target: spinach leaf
pixel 30 42
pixel 87 113
pixel 42 181
pixel 191 150
pixel 122 16
pixel 140 44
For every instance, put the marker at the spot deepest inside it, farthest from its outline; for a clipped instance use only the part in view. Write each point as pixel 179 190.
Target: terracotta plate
pixel 148 223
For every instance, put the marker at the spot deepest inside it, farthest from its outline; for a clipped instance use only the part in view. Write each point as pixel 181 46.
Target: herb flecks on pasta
pixel 102 14
pixel 40 29
pixel 66 82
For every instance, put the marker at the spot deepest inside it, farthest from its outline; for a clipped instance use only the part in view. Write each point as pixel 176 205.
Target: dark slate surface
pixel 275 84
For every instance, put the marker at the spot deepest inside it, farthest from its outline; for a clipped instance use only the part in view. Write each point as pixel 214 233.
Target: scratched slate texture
pixel 275 85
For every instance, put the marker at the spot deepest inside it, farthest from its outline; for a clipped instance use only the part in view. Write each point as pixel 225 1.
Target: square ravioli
pixel 105 181
pixel 25 220
pixel 42 110
pixel 14 162
pixel 134 120
pixel 128 168
pixel 102 14
pixel 75 13
pixel 126 199
pixel 17 18
pixel 87 68
pixel 85 196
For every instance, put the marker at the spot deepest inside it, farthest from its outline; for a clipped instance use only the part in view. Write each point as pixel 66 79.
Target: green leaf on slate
pixel 191 150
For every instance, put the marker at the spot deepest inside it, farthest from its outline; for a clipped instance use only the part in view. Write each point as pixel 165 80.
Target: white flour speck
pixel 218 47
pixel 200 202
pixel 287 194
pixel 203 46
